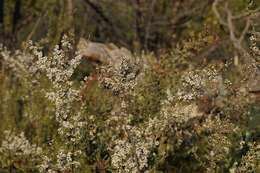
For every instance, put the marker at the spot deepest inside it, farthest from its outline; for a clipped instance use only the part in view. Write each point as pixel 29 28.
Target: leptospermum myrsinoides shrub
pixel 58 68
pixel 191 130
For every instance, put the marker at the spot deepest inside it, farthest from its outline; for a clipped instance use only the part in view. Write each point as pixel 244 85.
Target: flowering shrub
pixel 17 151
pixel 250 161
pixel 136 119
pixel 120 76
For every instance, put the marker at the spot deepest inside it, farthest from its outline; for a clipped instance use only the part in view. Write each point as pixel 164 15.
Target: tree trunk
pixel 1 20
pixel 138 25
pixel 70 16
pixel 16 14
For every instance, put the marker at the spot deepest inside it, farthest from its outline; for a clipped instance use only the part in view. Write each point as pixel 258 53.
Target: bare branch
pixel 215 10
pixel 229 23
pixel 245 30
pixel 29 37
pixel 231 27
pixel 246 14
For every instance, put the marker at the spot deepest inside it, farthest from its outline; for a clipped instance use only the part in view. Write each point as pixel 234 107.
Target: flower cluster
pixel 180 113
pixel 120 76
pixel 255 38
pixel 128 157
pixel 132 152
pixel 220 147
pixel 65 161
pixel 46 165
pixel 219 143
pixel 19 62
pixel 250 162
pixel 198 83
pixel 131 149
pixel 17 147
pixel 59 68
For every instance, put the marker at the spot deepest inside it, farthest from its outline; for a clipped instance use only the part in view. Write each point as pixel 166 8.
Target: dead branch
pixel 228 20
pixel 217 14
pixel 246 14
pixel 29 37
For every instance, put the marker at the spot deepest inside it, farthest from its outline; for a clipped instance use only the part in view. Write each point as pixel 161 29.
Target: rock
pixel 101 53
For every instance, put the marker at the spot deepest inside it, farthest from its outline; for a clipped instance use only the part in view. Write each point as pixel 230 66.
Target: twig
pixel 35 26
pixel 215 10
pixel 245 30
pixel 246 14
pixel 229 23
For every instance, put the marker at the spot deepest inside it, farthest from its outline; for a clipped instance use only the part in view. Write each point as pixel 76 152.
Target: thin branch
pixel 229 23
pixel 36 26
pixel 231 26
pixel 207 51
pixel 188 13
pixel 245 30
pixel 246 14
pixel 215 10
